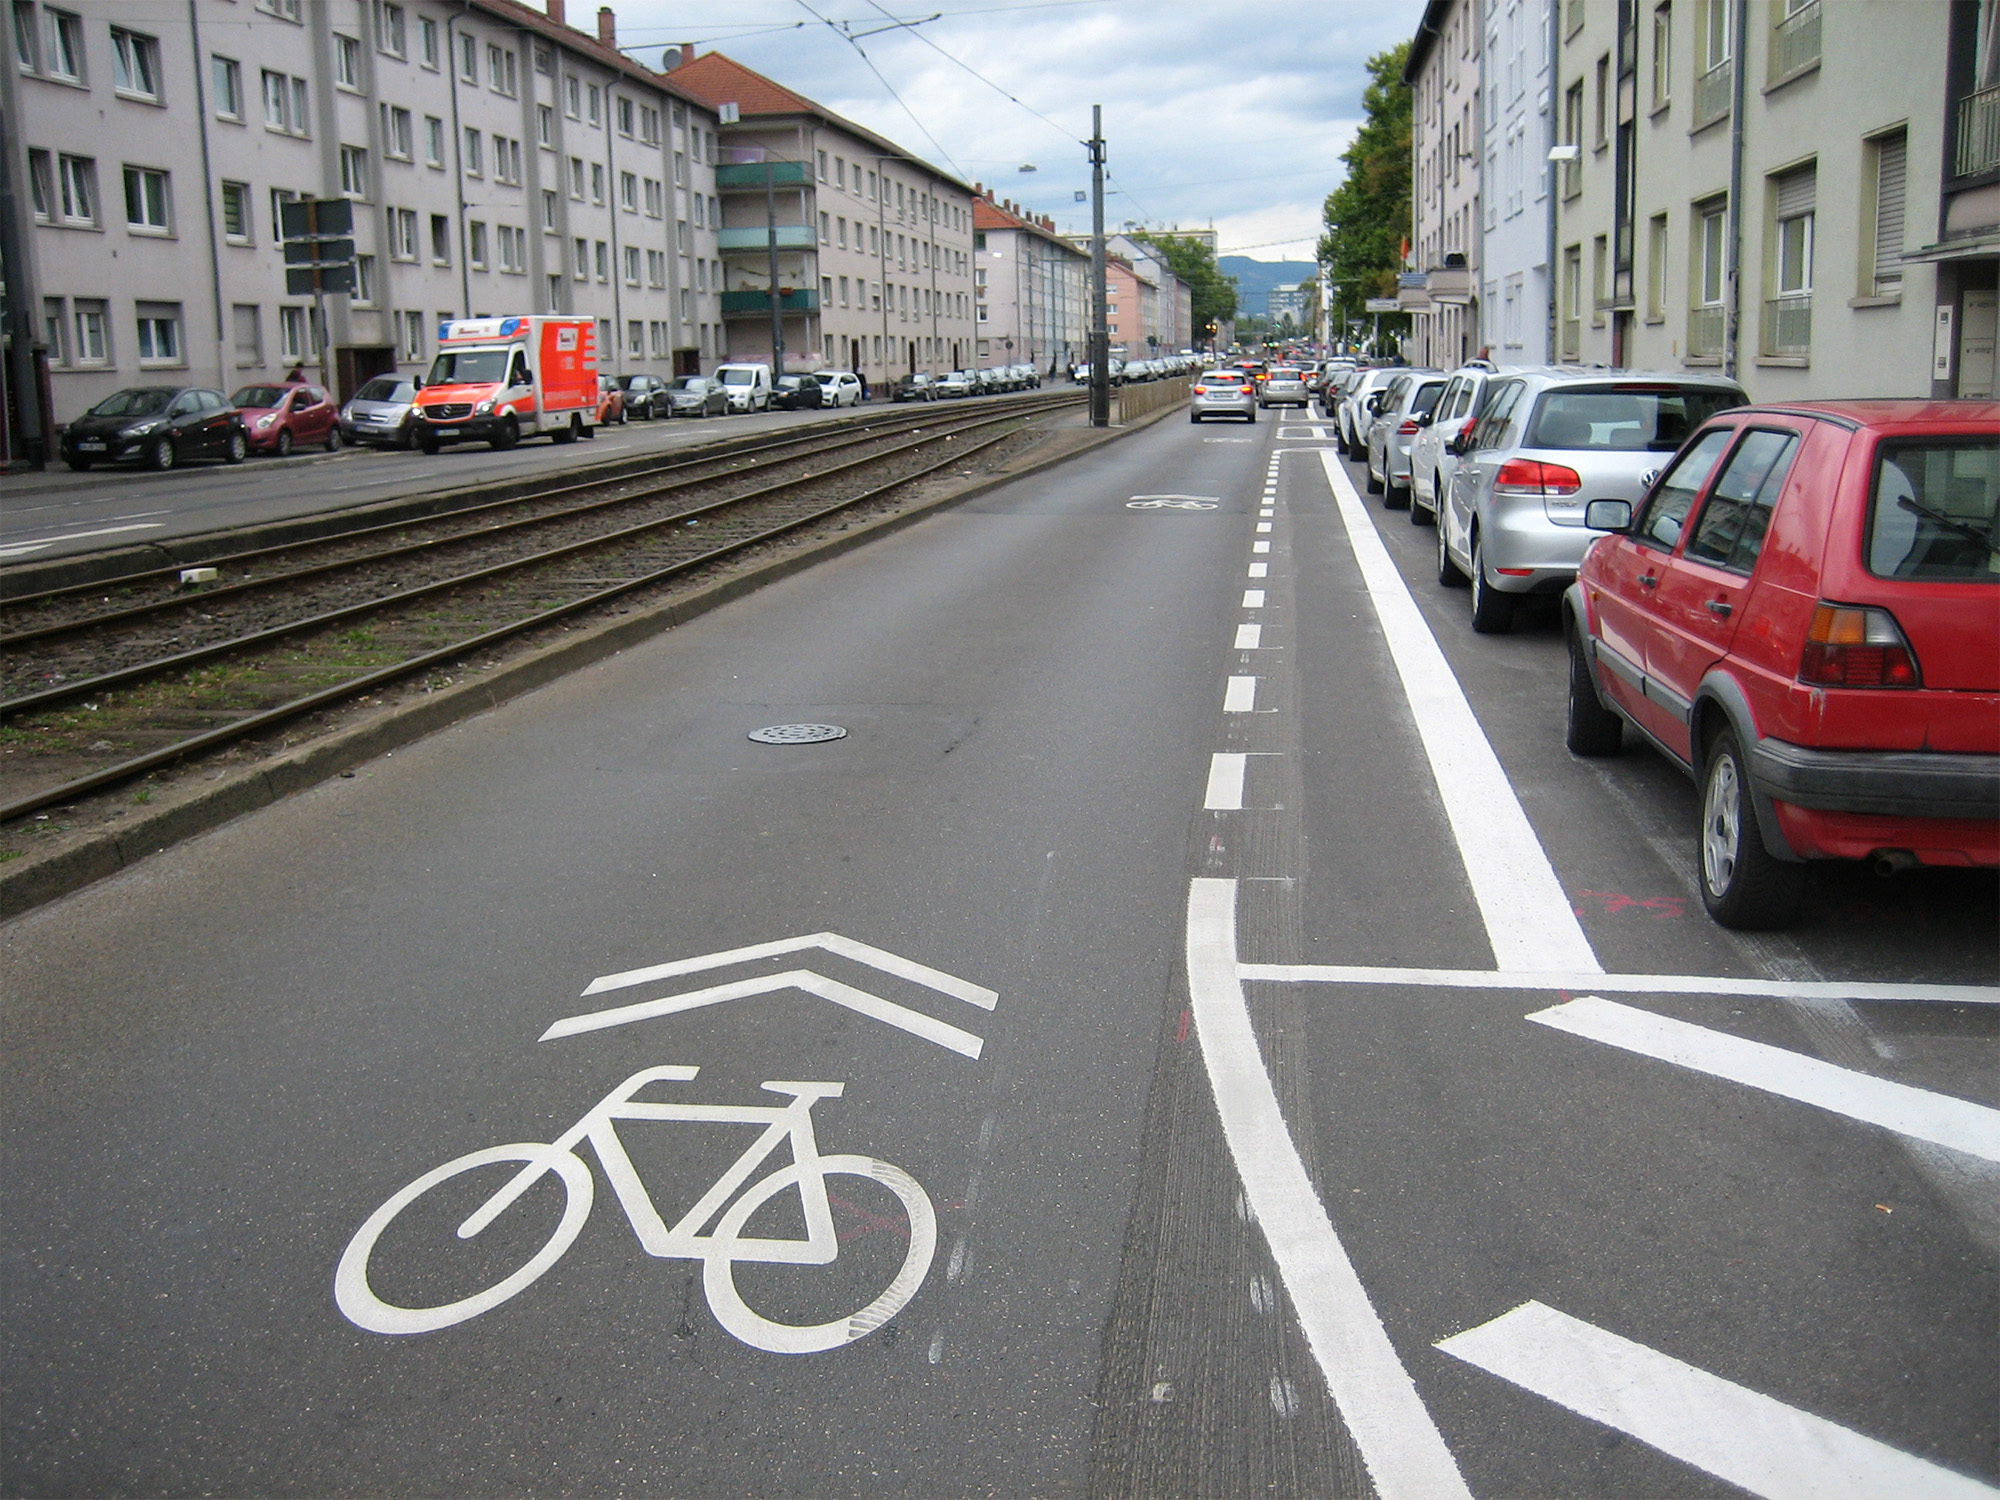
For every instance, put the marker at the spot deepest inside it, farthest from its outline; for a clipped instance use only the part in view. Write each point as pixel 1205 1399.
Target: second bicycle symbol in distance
pixel 1174 502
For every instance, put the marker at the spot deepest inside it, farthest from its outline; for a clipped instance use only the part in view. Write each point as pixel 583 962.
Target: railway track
pixel 149 666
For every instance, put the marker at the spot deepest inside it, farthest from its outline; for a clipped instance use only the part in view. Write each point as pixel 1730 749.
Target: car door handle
pixel 1648 580
pixel 1719 606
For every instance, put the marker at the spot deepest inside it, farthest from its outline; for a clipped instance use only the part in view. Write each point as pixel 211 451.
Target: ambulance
pixel 502 379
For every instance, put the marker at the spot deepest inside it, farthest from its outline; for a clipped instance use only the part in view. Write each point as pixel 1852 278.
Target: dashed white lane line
pixel 1746 1439
pixel 1259 570
pixel 1260 546
pixel 1240 697
pixel 1528 919
pixel 1225 782
pixel 1264 526
pixel 1918 1113
pixel 1249 637
pixel 21 549
pixel 1405 1455
pixel 1253 598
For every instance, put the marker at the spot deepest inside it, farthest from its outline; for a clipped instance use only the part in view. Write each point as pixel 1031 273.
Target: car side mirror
pixel 1424 419
pixel 1608 515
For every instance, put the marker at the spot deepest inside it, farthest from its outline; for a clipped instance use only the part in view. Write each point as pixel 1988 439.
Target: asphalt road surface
pixel 1196 1033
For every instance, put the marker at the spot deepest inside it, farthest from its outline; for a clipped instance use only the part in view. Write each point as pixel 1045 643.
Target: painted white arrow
pixel 860 1001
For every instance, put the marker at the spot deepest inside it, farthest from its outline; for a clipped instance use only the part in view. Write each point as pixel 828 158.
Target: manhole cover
pixel 798 734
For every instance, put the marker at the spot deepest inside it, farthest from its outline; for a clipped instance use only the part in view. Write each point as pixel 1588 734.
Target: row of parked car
pixel 921 385
pixel 1798 604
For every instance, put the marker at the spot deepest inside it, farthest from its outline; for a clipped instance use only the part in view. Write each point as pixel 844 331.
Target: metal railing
pixel 1788 325
pixel 1572 339
pixel 1796 45
pixel 1706 329
pixel 1978 147
pixel 1713 92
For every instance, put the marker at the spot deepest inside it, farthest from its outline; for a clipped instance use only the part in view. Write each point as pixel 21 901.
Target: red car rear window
pixel 1932 511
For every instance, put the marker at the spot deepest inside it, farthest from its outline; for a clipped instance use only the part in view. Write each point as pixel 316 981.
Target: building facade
pixel 874 245
pixel 497 162
pixel 1031 289
pixel 1446 135
pixel 1962 245
pixel 1516 51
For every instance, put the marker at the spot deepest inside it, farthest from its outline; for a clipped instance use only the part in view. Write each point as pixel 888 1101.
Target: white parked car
pixel 747 386
pixel 838 387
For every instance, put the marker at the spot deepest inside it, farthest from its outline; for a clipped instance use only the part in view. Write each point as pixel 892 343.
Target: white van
pixel 747 386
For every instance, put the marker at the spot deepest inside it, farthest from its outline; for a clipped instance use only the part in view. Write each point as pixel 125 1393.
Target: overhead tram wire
pixel 856 45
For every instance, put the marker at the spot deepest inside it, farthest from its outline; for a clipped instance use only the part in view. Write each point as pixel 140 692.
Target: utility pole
pixel 1100 326
pixel 771 246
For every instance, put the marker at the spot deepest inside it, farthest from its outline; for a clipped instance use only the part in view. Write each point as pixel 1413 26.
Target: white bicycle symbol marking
pixel 718 1252
pixel 1172 502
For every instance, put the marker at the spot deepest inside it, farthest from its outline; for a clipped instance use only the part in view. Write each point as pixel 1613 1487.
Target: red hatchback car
pixel 1804 613
pixel 283 417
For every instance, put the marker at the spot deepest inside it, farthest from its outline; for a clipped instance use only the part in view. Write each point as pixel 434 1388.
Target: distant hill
pixel 1256 279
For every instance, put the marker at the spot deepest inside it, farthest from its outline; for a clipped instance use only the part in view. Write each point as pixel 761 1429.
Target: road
pixel 1300 1075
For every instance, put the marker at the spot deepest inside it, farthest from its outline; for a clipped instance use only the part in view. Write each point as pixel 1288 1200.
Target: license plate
pixel 90 445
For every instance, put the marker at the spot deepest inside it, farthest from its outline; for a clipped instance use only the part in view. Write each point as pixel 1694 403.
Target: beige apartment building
pixel 1031 288
pixel 1740 185
pixel 498 162
pixel 873 245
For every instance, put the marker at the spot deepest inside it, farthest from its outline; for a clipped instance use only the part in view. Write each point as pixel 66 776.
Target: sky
pixel 1231 112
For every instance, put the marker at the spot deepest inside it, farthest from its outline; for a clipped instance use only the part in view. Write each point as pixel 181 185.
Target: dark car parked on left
pixel 797 393
pixel 159 426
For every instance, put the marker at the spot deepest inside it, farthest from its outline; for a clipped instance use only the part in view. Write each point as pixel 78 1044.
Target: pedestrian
pixel 297 377
pixel 864 384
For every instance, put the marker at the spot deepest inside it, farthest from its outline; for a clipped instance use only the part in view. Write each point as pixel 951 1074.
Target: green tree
pixel 1212 293
pixel 1368 215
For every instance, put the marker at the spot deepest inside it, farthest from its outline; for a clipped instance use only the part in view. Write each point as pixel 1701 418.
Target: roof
pixel 716 79
pixel 1428 31
pixel 513 13
pixel 989 215
pixel 1893 411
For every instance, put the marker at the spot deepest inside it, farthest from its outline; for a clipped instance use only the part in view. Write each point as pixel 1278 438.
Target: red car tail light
pixel 1530 476
pixel 1850 646
pixel 1201 390
pixel 1409 428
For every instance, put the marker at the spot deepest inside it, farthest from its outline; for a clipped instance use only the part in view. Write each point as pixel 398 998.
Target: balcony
pixel 1714 92
pixel 1795 42
pixel 1978 146
pixel 1788 326
pixel 756 304
pixel 746 177
pixel 790 237
pixel 1706 328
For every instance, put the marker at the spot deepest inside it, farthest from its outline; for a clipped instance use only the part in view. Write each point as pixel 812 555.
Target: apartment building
pixel 498 161
pixel 872 245
pixel 1031 288
pixel 1741 182
pixel 1442 292
pixel 1962 245
pixel 1516 132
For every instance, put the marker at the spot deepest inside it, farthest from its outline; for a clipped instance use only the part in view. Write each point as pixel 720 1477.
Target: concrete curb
pixel 35 880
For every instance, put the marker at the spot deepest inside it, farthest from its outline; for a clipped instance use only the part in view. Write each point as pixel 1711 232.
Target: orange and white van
pixel 502 379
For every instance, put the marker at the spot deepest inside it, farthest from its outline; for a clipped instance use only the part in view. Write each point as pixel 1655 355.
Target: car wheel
pixel 1589 728
pixel 1194 416
pixel 406 436
pixel 1743 884
pixel 81 465
pixel 162 455
pixel 1395 496
pixel 1420 515
pixel 236 449
pixel 566 434
pixel 333 440
pixel 1492 611
pixel 507 434
pixel 285 443
pixel 428 442
pixel 1374 484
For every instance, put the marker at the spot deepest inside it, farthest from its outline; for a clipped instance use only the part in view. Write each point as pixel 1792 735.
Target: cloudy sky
pixel 1231 112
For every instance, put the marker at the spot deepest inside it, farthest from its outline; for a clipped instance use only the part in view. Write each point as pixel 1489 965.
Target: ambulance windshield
pixel 468 367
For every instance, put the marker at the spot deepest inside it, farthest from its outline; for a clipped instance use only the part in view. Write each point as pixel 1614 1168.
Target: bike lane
pixel 222 1063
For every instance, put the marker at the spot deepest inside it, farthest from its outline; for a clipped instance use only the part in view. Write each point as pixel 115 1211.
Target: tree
pixel 1212 293
pixel 1368 215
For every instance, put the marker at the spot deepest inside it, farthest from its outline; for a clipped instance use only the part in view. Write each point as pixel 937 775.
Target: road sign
pixel 1381 304
pixel 318 252
pixel 319 280
pixel 315 218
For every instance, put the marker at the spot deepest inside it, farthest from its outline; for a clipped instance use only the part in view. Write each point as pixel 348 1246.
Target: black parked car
pixel 796 393
pixel 645 396
pixel 158 425
pixel 917 386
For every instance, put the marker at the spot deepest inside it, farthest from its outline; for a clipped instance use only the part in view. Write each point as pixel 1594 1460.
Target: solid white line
pixel 1400 1444
pixel 832 942
pixel 1631 984
pixel 1918 1113
pixel 1240 697
pixel 1744 1438
pixel 1528 919
pixel 1259 570
pixel 1249 637
pixel 15 549
pixel 1253 598
pixel 1225 782
pixel 1260 546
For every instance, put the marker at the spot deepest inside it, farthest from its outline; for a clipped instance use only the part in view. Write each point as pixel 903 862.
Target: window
pixel 545 126
pixel 354 171
pixel 1715 43
pixel 410 334
pixel 579 265
pixel 1572 171
pixel 843 291
pixel 346 61
pixel 42 186
pixel 236 213
pixel 549 210
pixel 839 173
pixel 391 29
pixel 513 249
pixel 55 318
pixel 227 77
pixel 285 104
pixel 656 198
pixel 1659 524
pixel 79 189
pixel 597 182
pixel 475 244
pixel 603 259
pixel 625 120
pixel 159 333
pixel 657 332
pixel 649 125
pixel 1656 268
pixel 427 41
pixel 1792 206
pixel 475 153
pixel 507 160
pixel 1572 300
pixel 93 332
pixel 1712 262
pixel 840 232
pixel 698 213
pixel 63 54
pixel 631 265
pixel 1934 500
pixel 1603 139
pixel 545 60
pixel 576 178
pixel 364 281
pixel 24 56
pixel 822 166
pixel 135 64
pixel 247 323
pixel 502 71
pixel 826 229
pixel 687 305
pixel 1663 55
pixel 402 234
pixel 681 241
pixel 572 97
pixel 595 97
pixel 656 268
pixel 1600 251
pixel 468 60
pixel 1730 530
pixel 398 133
pixel 440 240
pixel 1885 160
pixel 295 336
pixel 628 192
pixel 434 140
pixel 680 169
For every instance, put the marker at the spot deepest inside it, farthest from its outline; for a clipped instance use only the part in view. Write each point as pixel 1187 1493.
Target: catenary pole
pixel 1100 327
